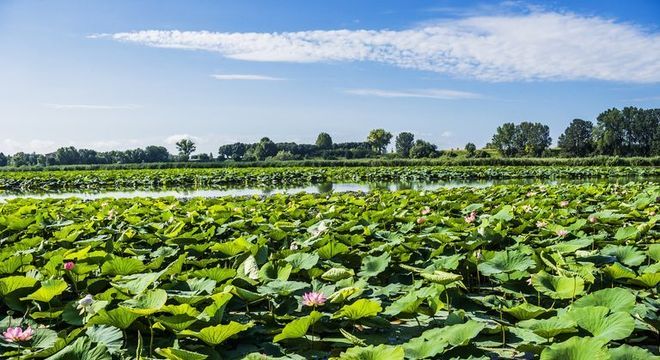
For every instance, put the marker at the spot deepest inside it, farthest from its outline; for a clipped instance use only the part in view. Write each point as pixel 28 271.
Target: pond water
pixel 312 189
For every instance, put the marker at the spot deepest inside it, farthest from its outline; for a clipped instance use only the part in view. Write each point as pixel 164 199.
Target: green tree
pixel 3 159
pixel 265 148
pixel 610 133
pixel 641 129
pixel 234 151
pixel 185 148
pixel 423 149
pixel 504 138
pixel 156 154
pixel 324 141
pixel 577 138
pixel 403 143
pixel 67 156
pixel 379 139
pixel 471 149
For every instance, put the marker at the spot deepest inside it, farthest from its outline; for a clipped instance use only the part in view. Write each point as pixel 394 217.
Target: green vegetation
pixel 288 175
pixel 542 271
pixel 628 132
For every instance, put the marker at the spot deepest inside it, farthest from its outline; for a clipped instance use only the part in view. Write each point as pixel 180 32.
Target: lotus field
pixel 510 271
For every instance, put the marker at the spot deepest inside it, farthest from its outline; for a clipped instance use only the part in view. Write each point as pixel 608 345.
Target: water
pixel 322 188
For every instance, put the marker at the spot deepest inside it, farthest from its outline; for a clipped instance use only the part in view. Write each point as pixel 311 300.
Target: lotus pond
pixel 567 271
pixel 97 180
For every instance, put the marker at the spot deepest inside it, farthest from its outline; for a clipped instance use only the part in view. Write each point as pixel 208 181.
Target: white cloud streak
pixel 249 77
pixel 533 46
pixel 440 94
pixel 92 107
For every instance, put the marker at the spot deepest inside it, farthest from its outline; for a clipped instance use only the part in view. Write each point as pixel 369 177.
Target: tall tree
pixel 234 151
pixel 423 149
pixel 610 133
pixel 470 148
pixel 641 128
pixel 265 148
pixel 324 141
pixel 379 139
pixel 156 154
pixel 185 148
pixel 403 143
pixel 3 159
pixel 577 138
pixel 504 139
pixel 67 155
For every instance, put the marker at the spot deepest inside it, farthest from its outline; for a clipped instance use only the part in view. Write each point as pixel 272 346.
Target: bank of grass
pixel 377 162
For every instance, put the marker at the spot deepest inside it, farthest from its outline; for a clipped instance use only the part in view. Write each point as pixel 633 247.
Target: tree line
pixel 628 132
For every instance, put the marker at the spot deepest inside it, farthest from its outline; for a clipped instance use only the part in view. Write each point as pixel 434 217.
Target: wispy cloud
pixel 441 94
pixel 248 77
pixel 173 139
pixel 92 107
pixel 538 45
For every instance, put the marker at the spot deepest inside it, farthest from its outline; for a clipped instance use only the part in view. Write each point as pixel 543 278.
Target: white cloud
pixel 442 94
pixel 447 134
pixel 536 45
pixel 245 77
pixel 173 139
pixel 92 107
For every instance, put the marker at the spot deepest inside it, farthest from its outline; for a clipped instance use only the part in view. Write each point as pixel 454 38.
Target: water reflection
pixel 321 188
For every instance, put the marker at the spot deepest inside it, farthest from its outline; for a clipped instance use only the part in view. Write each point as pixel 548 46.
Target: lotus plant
pixel 85 304
pixel 313 299
pixel 426 211
pixel 69 265
pixel 471 218
pixel 17 334
pixel 561 232
pixel 421 220
pixel 563 203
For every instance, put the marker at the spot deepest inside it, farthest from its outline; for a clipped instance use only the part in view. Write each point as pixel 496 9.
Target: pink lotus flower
pixel 421 220
pixel 527 208
pixel 69 265
pixel 426 211
pixel 593 219
pixel 313 299
pixel 541 224
pixel 562 232
pixel 16 334
pixel 563 203
pixel 471 218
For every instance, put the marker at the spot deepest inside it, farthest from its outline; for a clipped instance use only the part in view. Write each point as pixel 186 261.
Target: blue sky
pixel 122 74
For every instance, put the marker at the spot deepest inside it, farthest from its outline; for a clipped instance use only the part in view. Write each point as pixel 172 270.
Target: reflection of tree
pixel 325 187
pixel 405 186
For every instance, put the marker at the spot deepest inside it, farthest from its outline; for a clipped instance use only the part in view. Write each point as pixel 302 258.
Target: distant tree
pixel 324 141
pixel 265 148
pixel 423 149
pixel 67 155
pixel 3 159
pixel 470 148
pixel 610 133
pixel 532 138
pixel 87 156
pixel 641 128
pixel 185 148
pixel 156 154
pixel 234 151
pixel 504 138
pixel 403 143
pixel 577 138
pixel 379 139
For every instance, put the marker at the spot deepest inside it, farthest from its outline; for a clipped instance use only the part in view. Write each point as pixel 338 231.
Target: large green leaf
pixel 362 308
pixel 627 352
pixel 302 261
pixel 120 317
pixel 615 299
pixel 374 265
pixel 525 311
pixel 627 254
pixel 48 290
pixel 441 277
pixel 371 352
pixel 557 287
pixel 506 261
pixel 122 266
pixel 576 348
pixel 551 327
pixel 13 283
pixel 214 335
pixel 595 319
pixel 110 336
pixel 298 328
pixel 146 303
pixel 180 354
